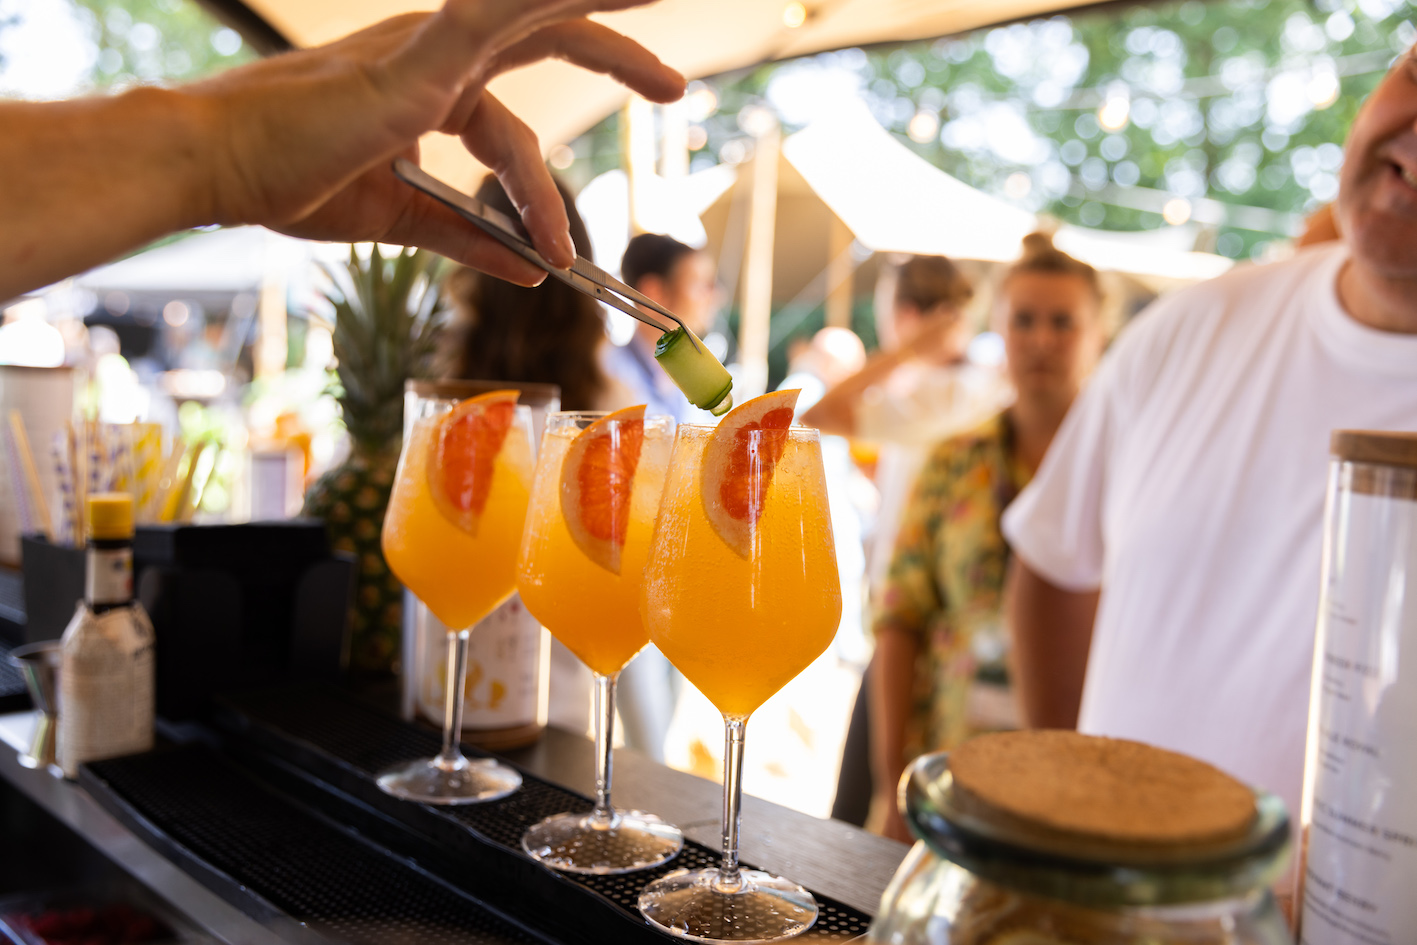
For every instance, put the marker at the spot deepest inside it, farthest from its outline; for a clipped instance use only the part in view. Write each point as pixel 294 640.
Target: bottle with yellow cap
pixel 106 655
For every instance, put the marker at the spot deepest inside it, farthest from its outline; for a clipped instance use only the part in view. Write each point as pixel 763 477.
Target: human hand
pixel 885 818
pixel 938 336
pixel 302 143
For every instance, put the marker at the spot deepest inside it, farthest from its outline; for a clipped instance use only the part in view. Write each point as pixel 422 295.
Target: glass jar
pixel 1359 811
pixel 969 881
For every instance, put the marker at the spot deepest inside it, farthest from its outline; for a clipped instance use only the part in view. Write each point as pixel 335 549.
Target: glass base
pixel 765 908
pixel 579 843
pixel 431 781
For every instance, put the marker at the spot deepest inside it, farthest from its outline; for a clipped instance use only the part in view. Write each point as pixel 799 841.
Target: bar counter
pixel 833 859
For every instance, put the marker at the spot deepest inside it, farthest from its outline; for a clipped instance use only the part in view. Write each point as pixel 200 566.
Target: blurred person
pixel 1166 565
pixel 548 334
pixel 302 143
pixel 908 396
pixel 939 619
pixel 681 279
pixel 1319 227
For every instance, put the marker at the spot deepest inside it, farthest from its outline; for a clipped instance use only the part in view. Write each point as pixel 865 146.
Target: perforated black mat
pixel 275 859
pixel 13 695
pixel 344 743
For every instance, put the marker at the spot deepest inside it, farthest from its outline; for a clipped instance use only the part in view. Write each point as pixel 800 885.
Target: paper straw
pixel 76 461
pixel 22 446
pixel 109 447
pixel 194 501
pixel 167 481
pixel 95 460
pixel 147 466
pixel 176 510
pixel 12 459
pixel 127 434
pixel 68 526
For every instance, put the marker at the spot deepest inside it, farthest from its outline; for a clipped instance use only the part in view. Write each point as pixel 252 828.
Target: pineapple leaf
pixel 389 310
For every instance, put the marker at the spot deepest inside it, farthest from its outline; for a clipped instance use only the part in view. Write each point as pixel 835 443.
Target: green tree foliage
pixel 142 41
pixel 1239 108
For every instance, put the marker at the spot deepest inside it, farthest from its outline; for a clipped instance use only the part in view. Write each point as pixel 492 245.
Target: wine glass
pixel 593 504
pixel 451 531
pixel 741 594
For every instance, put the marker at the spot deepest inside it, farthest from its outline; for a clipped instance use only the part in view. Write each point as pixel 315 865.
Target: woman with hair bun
pixel 941 610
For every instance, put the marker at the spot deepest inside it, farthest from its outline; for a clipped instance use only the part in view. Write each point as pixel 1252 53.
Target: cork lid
pixel 1063 786
pixel 1378 447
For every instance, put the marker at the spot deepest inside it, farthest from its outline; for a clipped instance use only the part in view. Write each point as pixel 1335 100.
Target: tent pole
pixel 637 155
pixel 840 266
pixel 674 140
pixel 757 270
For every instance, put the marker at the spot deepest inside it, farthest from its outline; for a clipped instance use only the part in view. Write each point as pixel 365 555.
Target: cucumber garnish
pixel 695 370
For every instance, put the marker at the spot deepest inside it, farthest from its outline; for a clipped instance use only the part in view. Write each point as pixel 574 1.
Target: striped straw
pixel 69 524
pixel 147 462
pixel 22 501
pixel 127 437
pixel 76 461
pixel 93 449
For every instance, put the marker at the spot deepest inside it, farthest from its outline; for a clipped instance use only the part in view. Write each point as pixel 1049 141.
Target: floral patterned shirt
pixel 946 578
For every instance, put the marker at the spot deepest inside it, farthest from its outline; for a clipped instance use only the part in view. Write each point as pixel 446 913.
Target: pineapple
pixel 388 310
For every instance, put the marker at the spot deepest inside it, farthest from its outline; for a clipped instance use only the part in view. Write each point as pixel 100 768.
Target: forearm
pixel 836 411
pixel 87 180
pixel 892 684
pixel 1052 633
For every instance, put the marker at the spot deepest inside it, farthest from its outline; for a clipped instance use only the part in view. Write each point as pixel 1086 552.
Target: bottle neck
pixel 109 575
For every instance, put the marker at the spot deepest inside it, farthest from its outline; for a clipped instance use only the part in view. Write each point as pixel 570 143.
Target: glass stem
pixel 729 879
pixel 450 758
pixel 604 814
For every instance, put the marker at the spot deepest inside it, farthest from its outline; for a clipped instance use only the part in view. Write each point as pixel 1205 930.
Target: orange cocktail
pixel 461 564
pixel 582 562
pixel 741 594
pixel 740 618
pixel 580 569
pixel 450 534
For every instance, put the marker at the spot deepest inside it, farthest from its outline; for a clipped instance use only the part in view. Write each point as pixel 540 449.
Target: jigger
pixel 39 662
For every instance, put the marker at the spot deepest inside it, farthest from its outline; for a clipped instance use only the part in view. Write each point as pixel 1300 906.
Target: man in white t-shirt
pixel 1181 502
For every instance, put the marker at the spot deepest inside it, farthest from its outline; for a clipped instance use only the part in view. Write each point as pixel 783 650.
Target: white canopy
pixel 893 200
pixel 697 37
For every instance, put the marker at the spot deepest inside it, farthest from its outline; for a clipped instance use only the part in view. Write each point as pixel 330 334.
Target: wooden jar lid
pixel 1378 447
pixel 1067 786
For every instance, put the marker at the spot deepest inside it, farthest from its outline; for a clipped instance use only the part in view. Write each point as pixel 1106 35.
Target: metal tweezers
pixel 583 276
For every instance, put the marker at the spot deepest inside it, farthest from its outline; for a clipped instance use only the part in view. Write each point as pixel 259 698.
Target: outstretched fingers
pixel 598 48
pixel 582 43
pixel 457 42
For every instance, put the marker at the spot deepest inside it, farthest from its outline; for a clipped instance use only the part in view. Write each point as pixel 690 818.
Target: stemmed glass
pixel 741 594
pixel 451 531
pixel 593 505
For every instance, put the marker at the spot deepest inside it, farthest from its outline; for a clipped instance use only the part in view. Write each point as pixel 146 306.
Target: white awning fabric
pixel 697 37
pixel 893 200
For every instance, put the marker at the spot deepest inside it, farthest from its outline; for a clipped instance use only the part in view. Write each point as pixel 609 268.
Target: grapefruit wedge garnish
pixel 738 465
pixel 597 479
pixel 463 454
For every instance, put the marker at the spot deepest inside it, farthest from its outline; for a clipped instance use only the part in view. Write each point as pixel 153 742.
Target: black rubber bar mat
pixel 325 736
pixel 14 697
pixel 309 879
